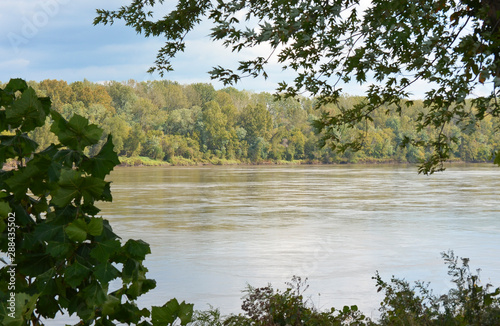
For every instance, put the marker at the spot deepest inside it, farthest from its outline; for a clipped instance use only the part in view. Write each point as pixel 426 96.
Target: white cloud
pixel 18 63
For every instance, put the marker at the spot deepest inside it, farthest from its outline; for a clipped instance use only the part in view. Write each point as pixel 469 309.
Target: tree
pixel 59 92
pixel 451 46
pixel 257 121
pixel 120 94
pixel 214 133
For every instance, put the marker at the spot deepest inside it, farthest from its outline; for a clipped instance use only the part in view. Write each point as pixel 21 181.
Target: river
pixel 214 229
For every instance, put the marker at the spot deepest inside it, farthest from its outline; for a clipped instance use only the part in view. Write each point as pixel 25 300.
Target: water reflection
pixel 214 229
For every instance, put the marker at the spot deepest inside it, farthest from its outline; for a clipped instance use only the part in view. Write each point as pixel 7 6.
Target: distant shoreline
pixel 144 162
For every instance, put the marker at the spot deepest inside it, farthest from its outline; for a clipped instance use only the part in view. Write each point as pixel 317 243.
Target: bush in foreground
pixel 468 303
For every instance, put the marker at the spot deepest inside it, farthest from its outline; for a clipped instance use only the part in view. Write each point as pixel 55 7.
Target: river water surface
pixel 212 229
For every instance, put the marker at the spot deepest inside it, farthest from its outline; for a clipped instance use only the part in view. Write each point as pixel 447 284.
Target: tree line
pixel 195 123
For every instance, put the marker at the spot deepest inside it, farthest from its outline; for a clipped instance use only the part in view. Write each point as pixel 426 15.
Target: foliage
pixel 63 257
pixel 469 303
pixel 453 47
pixel 239 126
pixel 269 307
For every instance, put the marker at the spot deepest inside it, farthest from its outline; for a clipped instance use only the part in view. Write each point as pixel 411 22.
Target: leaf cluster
pixel 65 256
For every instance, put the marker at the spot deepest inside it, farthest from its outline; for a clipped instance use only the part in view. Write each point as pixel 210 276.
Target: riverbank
pixel 180 161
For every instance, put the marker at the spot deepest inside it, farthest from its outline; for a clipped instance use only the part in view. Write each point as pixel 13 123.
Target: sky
pixel 56 39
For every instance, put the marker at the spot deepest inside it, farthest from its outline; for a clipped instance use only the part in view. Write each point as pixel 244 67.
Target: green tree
pixel 148 115
pixel 227 106
pixel 152 146
pixel 206 92
pixel 451 46
pixel 59 92
pixel 133 143
pixel 90 93
pixel 121 94
pixel 257 121
pixel 174 96
pixel 214 133
pixel 182 121
pixel 119 129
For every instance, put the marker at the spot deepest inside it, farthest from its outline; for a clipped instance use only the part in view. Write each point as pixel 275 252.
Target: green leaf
pixel 109 305
pixel 46 104
pixel 103 250
pixel 165 315
pixel 46 284
pixel 95 226
pixel 72 185
pixel 90 209
pixel 76 133
pixel 16 84
pixel 27 111
pixel 22 217
pixel 6 152
pixel 137 249
pixel 19 145
pixel 106 194
pixel 130 270
pixel 185 313
pixel 169 312
pixel 100 165
pixel 106 272
pixel 95 295
pixel 21 180
pixel 69 183
pixel 58 249
pixel 4 209
pixel 69 157
pixel 75 274
pixel 25 304
pixel 34 264
pixel 139 287
pixel 77 231
pixel 46 231
pixel 47 306
pixel 92 189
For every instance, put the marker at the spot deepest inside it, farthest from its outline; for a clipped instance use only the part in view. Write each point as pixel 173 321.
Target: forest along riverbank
pixel 195 123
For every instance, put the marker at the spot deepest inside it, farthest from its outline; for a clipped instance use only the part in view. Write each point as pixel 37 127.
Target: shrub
pixel 469 303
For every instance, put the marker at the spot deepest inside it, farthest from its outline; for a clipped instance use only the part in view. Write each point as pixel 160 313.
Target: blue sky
pixel 55 39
